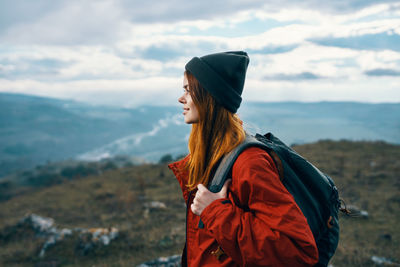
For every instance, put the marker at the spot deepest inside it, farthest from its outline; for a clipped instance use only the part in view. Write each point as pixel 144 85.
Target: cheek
pixel 190 103
pixel 192 106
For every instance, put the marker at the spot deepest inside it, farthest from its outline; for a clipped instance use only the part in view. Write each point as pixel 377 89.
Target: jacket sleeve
pixel 268 229
pixel 181 174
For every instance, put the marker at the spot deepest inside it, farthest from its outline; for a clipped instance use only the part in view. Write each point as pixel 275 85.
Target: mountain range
pixel 35 130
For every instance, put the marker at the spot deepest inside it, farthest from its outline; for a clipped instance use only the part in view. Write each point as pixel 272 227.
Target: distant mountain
pixel 296 122
pixel 34 130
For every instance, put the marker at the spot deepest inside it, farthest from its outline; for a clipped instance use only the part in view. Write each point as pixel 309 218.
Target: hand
pixel 204 197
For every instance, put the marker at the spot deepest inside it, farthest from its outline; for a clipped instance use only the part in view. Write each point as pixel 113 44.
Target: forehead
pixel 185 81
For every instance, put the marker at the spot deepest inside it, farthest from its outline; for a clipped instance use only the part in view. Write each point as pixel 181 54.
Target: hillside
pixel 366 174
pixel 36 130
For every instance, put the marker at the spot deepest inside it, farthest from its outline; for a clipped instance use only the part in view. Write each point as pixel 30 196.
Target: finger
pixel 193 208
pixel 201 187
pixel 224 189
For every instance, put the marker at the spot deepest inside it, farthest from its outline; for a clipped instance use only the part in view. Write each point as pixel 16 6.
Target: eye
pixel 186 91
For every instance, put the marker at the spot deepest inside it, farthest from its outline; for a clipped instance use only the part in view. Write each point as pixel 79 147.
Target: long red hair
pixel 217 133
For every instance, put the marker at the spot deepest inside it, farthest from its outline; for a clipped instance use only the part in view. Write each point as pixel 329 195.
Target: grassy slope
pixel 365 173
pixel 112 199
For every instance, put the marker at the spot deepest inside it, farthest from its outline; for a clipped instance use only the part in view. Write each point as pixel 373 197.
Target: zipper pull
pixel 218 253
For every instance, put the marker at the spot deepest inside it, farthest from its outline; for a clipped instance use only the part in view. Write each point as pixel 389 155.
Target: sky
pixel 131 53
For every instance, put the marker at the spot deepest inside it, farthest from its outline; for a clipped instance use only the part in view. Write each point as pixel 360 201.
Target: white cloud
pixel 366 89
pixel 368 60
pixel 148 91
pixel 75 22
pixel 312 58
pixel 112 54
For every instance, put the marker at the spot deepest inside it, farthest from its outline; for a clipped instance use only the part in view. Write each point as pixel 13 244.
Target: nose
pixel 182 99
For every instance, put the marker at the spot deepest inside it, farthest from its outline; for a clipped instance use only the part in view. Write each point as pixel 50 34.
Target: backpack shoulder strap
pixel 229 159
pixel 224 167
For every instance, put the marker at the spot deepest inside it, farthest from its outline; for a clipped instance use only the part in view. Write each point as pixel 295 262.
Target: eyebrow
pixel 186 86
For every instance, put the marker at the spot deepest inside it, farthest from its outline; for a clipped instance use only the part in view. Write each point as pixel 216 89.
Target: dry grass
pixel 112 199
pixel 367 175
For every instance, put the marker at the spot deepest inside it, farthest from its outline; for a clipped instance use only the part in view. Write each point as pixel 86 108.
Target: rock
pixel 383 261
pixel 154 205
pixel 172 261
pixel 66 231
pixel 88 238
pixel 102 235
pixel 38 223
pixel 44 227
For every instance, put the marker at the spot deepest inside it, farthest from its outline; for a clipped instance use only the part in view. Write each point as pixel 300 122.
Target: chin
pixel 189 121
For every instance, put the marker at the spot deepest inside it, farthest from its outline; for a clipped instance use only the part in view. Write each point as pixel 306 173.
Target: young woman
pixel 253 220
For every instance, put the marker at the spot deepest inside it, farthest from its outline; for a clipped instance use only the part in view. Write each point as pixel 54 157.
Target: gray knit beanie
pixel 222 75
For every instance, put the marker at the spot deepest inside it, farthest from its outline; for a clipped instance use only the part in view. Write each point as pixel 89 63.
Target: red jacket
pixel 258 224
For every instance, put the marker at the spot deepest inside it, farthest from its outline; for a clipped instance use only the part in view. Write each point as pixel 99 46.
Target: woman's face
pixel 190 112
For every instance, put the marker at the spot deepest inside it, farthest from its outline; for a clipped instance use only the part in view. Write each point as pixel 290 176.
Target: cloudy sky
pixel 129 53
